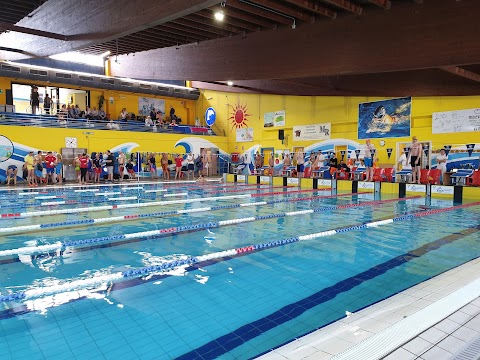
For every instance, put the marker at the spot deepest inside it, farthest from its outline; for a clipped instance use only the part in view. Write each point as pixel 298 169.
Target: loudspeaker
pixel 281 135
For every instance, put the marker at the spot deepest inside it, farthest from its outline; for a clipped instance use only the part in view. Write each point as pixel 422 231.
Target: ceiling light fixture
pixel 230 83
pixel 219 14
pixel 106 53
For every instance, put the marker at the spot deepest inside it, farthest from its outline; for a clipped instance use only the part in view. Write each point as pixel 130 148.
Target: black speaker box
pixel 281 135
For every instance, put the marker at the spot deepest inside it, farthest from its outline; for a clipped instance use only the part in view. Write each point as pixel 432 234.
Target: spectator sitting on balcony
pixel 71 112
pixel 88 113
pixel 94 113
pixel 123 115
pixel 102 115
pixel 148 121
pixel 173 123
pixel 153 114
pixel 159 117
pixel 77 111
pixel 132 117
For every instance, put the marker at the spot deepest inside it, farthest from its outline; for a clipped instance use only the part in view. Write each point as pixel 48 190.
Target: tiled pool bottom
pixel 440 342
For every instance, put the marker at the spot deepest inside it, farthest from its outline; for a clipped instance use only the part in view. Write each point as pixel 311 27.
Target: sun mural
pixel 238 116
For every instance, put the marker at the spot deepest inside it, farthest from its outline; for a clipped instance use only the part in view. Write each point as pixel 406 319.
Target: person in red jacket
pixel 50 164
pixel 83 160
pixel 178 166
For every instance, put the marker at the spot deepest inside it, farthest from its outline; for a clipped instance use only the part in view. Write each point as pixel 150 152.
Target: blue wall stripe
pixel 230 341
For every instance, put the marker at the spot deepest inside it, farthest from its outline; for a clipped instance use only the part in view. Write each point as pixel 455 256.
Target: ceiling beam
pixel 314 7
pixel 207 14
pixel 257 20
pixel 174 33
pixel 158 33
pixel 89 25
pixel 277 6
pixel 461 72
pixel 184 29
pixel 327 48
pixel 257 11
pixel 24 30
pixel 215 24
pixel 188 22
pixel 346 5
pixel 382 3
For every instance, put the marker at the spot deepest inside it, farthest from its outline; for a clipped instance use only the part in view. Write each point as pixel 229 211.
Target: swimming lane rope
pixel 187 261
pixel 61 246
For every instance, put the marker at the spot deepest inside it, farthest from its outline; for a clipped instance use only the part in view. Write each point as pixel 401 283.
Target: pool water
pixel 230 307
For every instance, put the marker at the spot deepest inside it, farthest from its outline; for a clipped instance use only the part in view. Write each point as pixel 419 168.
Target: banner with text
pixel 456 121
pixel 312 132
pixel 276 118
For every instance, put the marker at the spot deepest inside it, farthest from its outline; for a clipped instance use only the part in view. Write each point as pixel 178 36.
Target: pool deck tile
pixel 439 342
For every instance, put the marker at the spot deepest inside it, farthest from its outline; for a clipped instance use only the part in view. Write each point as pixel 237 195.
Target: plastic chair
pixel 424 176
pixel 434 176
pixel 378 174
pixel 474 180
pixel 307 172
pixel 342 175
pixel 389 174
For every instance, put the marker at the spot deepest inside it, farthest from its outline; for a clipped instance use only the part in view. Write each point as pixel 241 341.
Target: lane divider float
pixel 61 246
pixel 189 261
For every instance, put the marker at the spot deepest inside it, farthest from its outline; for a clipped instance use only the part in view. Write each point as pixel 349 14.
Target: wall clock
pixel 70 142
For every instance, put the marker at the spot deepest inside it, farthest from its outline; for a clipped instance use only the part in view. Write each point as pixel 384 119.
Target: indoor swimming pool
pixel 191 271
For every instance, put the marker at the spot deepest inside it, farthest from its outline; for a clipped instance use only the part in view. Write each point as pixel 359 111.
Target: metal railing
pixel 49 121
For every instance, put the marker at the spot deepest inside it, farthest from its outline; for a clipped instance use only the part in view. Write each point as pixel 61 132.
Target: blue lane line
pixel 230 341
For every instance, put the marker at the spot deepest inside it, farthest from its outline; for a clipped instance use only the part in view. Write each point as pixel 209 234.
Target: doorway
pixel 266 153
pixel 21 97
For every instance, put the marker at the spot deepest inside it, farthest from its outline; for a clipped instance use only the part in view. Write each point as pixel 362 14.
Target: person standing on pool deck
pixel 367 158
pixel 110 161
pixel 271 164
pixel 50 163
pixel 166 172
pixel 415 155
pixel 190 165
pixel 300 157
pixel 121 163
pixel 153 166
pixel 59 169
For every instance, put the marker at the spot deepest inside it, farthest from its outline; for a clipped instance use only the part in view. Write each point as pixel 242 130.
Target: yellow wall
pixel 341 112
pixel 101 140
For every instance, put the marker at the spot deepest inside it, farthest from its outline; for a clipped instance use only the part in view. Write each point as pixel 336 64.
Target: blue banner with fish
pixel 385 118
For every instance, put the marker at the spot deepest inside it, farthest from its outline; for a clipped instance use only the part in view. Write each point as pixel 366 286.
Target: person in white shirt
pixel 124 114
pixel 190 165
pixel 442 163
pixel 404 162
pixel 148 121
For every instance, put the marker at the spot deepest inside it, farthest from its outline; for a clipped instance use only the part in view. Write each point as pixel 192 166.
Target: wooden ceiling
pixel 295 47
pixel 242 17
